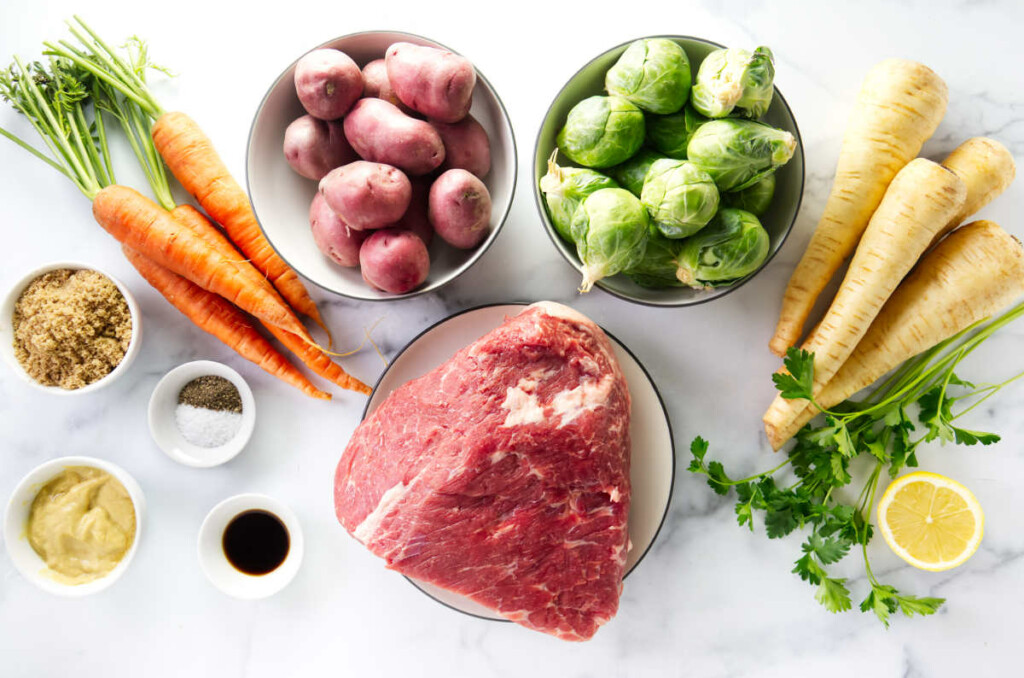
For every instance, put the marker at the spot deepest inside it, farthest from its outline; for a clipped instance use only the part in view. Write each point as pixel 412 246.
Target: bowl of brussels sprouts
pixel 669 170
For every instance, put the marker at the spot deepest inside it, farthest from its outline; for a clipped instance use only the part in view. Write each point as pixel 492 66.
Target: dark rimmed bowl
pixel 281 198
pixel 778 221
pixel 653 462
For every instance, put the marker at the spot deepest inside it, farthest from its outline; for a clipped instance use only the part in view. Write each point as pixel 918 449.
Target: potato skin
pixel 367 195
pixel 466 146
pixel 336 240
pixel 460 208
pixel 377 86
pixel 435 82
pixel 393 260
pixel 416 218
pixel 314 147
pixel 327 82
pixel 379 132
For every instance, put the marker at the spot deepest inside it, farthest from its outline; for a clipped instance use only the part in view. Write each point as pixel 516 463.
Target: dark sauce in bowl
pixel 256 542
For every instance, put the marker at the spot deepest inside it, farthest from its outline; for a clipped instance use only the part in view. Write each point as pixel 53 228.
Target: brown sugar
pixel 71 328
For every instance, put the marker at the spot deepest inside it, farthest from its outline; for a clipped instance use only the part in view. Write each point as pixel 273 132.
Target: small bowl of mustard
pixel 72 525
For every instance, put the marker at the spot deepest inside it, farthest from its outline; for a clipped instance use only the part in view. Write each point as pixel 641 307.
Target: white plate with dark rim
pixel 652 466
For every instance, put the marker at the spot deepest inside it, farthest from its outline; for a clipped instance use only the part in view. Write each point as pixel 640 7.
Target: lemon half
pixel 930 521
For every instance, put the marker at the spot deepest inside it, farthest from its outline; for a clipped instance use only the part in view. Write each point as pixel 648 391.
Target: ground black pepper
pixel 212 393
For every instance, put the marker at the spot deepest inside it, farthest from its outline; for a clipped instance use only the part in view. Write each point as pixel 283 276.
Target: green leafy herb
pixel 879 427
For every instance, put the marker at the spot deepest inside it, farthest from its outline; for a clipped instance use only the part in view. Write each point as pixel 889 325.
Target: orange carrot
pixel 311 356
pixel 213 314
pixel 136 221
pixel 190 155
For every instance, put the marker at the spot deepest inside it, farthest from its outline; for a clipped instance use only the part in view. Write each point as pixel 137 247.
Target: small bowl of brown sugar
pixel 202 413
pixel 69 328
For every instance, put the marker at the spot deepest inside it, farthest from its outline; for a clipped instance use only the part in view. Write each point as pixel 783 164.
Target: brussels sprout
pixel 680 197
pixel 733 245
pixel 602 131
pixel 610 230
pixel 671 133
pixel 754 199
pixel 631 174
pixel 739 153
pixel 734 81
pixel 658 268
pixel 653 74
pixel 564 188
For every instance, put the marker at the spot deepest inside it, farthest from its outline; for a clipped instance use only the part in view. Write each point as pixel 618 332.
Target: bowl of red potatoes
pixel 381 165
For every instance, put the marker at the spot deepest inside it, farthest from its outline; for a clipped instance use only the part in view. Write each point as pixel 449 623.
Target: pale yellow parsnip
pixel 987 168
pixel 921 200
pixel 899 106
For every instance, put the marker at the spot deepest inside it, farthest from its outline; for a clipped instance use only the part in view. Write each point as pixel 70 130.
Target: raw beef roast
pixel 503 475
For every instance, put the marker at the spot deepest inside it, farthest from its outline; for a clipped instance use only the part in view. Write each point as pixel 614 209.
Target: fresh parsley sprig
pixel 881 426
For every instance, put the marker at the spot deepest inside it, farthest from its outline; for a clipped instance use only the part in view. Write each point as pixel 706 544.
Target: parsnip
pixel 898 108
pixel 986 168
pixel 974 273
pixel 920 201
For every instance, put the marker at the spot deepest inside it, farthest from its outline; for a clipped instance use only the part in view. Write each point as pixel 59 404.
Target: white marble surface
pixel 711 599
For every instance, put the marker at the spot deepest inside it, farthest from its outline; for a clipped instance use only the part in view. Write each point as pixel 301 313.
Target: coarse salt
pixel 205 427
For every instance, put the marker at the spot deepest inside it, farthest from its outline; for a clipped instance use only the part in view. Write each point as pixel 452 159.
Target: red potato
pixel 393 260
pixel 328 82
pixel 466 145
pixel 460 208
pixel 367 195
pixel 415 218
pixel 433 81
pixel 379 132
pixel 336 240
pixel 314 147
pixel 377 86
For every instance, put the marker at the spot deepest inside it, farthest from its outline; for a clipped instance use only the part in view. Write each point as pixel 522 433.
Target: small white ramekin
pixel 7 329
pixel 222 573
pixel 24 557
pixel 165 431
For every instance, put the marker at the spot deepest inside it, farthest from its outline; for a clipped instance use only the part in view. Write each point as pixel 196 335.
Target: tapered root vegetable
pixel 367 194
pixel 987 169
pixel 311 356
pixel 194 161
pixel 138 222
pixel 314 147
pixel 899 107
pixel 974 273
pixel 920 201
pixel 216 316
pixel 435 82
pixel 330 233
pixel 466 146
pixel 379 132
pixel 327 82
pixel 460 209
pixel 394 261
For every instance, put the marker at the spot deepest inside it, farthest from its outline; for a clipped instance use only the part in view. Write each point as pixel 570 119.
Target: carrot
pixel 973 274
pixel 192 159
pixel 214 315
pixel 987 169
pixel 313 358
pixel 899 107
pixel 921 200
pixel 136 221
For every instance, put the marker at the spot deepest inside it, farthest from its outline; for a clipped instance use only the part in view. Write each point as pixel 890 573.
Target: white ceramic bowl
pixel 165 431
pixel 24 556
pixel 281 198
pixel 7 329
pixel 222 573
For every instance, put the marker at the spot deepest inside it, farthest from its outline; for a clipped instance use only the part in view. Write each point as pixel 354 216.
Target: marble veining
pixel 710 599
